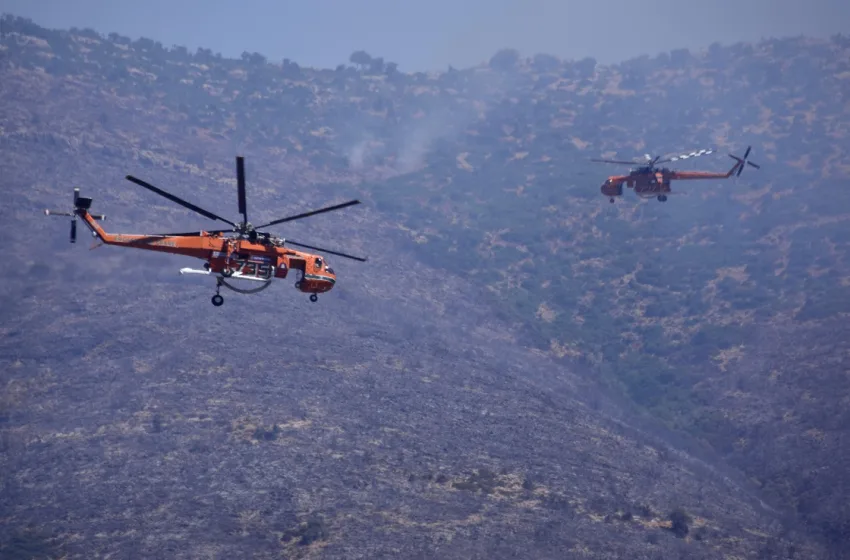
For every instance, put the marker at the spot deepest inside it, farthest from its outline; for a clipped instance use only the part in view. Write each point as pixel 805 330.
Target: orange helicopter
pixel 250 255
pixel 649 181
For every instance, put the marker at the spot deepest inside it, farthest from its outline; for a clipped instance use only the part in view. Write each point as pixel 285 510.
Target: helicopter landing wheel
pixel 217 300
pixel 662 198
pixel 314 298
pixel 227 272
pixel 611 201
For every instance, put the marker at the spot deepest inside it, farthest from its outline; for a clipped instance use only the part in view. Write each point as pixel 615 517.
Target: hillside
pixel 468 383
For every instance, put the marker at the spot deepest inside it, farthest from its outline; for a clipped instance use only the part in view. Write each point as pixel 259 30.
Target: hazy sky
pixel 431 34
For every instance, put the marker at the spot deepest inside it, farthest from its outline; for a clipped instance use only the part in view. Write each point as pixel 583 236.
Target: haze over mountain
pixel 421 35
pixel 521 369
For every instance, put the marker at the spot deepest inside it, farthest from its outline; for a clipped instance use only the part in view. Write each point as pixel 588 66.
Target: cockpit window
pixel 318 262
pixel 330 270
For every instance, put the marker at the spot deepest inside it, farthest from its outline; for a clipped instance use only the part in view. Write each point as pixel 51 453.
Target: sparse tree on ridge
pixel 505 59
pixel 360 58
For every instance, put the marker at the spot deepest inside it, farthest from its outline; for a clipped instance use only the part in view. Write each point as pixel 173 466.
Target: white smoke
pixel 417 144
pixel 358 153
pixel 438 119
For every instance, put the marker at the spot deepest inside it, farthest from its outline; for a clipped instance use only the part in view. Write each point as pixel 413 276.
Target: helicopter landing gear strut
pixel 217 300
pixel 313 297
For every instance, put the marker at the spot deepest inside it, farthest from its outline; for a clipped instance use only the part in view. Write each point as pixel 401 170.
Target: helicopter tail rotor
pixel 742 162
pixel 80 204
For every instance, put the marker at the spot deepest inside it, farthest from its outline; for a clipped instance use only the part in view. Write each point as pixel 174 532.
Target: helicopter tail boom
pixel 191 246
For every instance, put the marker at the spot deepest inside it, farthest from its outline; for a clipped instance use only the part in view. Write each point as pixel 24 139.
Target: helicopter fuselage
pixel 244 252
pixel 646 182
pixel 649 181
pixel 230 257
pixel 652 182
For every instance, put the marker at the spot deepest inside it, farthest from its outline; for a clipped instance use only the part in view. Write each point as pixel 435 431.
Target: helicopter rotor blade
pixel 616 161
pixel 182 234
pixel 695 153
pixel 180 201
pixel 311 213
pixel 240 184
pixel 323 250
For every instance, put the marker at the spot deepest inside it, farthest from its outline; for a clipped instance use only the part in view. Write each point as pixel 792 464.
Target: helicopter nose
pixel 330 280
pixel 325 284
pixel 610 188
pixel 318 281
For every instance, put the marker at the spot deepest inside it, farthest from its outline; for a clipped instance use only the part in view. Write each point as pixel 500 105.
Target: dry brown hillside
pixel 521 369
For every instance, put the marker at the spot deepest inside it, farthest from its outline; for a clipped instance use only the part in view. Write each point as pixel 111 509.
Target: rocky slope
pixel 430 403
